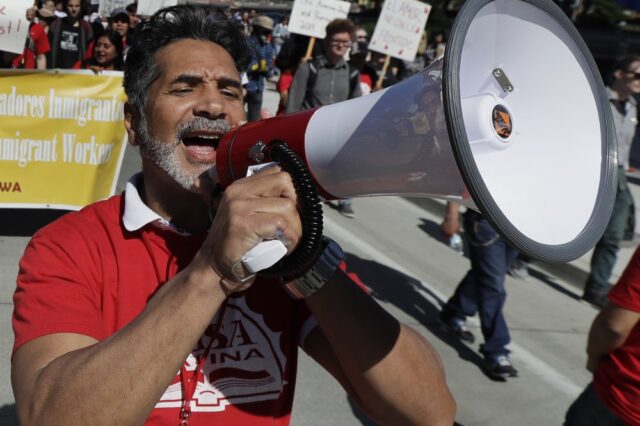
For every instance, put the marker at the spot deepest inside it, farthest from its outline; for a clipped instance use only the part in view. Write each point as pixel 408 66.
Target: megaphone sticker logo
pixel 502 123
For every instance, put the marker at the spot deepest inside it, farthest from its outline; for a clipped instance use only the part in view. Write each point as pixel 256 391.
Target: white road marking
pixel 537 366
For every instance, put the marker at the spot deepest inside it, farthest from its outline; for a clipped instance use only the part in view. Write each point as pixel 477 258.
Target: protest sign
pixel 107 6
pixel 310 17
pixel 149 7
pixel 62 138
pixel 14 26
pixel 399 28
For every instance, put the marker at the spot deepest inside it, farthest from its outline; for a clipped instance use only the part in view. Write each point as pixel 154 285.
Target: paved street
pixel 394 246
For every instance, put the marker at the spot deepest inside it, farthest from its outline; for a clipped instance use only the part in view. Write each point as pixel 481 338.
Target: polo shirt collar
pixel 136 213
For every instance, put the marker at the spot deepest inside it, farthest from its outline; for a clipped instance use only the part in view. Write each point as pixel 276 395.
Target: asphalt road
pixel 394 246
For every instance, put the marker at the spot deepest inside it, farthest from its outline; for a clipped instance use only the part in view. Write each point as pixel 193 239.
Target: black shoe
pixel 499 367
pixel 346 210
pixel 597 299
pixel 458 328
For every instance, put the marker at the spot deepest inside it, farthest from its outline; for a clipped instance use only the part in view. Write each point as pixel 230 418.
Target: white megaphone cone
pixel 514 121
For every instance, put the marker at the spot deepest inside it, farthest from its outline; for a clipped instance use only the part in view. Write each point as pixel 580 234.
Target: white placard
pixel 310 17
pixel 14 26
pixel 149 7
pixel 399 28
pixel 107 6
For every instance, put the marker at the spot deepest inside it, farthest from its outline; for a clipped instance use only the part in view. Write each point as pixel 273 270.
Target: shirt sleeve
pixel 57 286
pixel 626 293
pixel 298 89
pixel 40 40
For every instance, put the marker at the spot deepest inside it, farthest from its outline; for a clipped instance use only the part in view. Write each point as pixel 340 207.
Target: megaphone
pixel 513 121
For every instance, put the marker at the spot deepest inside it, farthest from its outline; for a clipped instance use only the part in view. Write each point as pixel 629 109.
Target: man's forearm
pixel 603 338
pixel 119 380
pixel 395 373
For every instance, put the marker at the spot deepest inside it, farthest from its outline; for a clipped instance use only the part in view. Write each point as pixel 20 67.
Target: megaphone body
pixel 514 121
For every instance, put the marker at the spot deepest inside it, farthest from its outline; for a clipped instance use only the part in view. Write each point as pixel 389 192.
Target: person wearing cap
pixel 70 37
pixel 261 65
pixel 37 45
pixel 119 21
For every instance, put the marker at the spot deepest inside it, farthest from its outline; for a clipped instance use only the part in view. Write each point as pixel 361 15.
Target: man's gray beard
pixel 163 154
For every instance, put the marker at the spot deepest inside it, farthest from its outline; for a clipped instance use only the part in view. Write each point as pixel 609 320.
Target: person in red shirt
pixel 36 48
pixel 613 349
pixel 139 309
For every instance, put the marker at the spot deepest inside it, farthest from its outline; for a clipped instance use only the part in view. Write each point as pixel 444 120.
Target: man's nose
pixel 210 105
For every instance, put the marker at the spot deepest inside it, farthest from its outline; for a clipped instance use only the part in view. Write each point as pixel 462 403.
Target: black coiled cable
pixel 310 245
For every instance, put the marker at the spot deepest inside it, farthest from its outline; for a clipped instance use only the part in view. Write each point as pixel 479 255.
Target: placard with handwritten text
pixel 14 26
pixel 399 28
pixel 310 17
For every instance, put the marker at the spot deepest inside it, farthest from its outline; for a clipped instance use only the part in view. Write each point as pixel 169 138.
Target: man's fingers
pixel 272 182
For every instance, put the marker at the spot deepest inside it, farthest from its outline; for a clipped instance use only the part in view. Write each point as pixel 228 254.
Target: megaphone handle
pixel 310 245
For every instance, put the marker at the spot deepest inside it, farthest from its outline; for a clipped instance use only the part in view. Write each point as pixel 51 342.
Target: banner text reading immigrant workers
pixel 62 138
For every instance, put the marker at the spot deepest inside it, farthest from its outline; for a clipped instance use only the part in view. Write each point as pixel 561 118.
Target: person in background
pixel 138 309
pixel 625 81
pixel 134 19
pixel 261 65
pixel 280 34
pixel 107 53
pixel 613 351
pixel 70 37
pixel 481 291
pixel 376 62
pixel 60 9
pixel 119 22
pixel 436 47
pixel 328 79
pixel 291 55
pixel 37 45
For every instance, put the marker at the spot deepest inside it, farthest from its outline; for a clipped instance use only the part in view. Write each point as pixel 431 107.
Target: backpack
pixel 354 77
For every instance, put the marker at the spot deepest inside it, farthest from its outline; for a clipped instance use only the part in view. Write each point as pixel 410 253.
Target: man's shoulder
pixel 102 215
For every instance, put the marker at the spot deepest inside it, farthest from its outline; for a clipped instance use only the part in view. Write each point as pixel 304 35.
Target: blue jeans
pixel 254 104
pixel 588 410
pixel 482 289
pixel 605 252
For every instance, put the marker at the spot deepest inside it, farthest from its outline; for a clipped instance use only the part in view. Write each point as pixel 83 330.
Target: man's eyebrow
pixel 227 81
pixel 194 79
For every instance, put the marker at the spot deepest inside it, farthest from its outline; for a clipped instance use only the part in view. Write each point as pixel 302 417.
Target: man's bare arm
pixel 388 368
pixel 70 379
pixel 608 332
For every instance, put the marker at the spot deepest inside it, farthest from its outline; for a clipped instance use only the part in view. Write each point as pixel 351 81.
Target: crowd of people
pixel 187 245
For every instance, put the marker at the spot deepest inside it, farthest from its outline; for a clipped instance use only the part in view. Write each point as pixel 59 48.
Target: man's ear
pixel 130 123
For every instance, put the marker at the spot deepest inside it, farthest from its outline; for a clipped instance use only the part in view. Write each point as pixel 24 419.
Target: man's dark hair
pixel 132 7
pixel 339 26
pixel 623 63
pixel 167 26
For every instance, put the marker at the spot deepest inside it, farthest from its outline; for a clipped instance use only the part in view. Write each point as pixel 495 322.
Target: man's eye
pixel 231 94
pixel 182 90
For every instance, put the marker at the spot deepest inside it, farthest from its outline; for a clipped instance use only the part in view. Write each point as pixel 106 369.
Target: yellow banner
pixel 62 137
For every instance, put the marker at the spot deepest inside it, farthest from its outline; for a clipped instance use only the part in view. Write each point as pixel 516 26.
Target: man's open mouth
pixel 202 140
